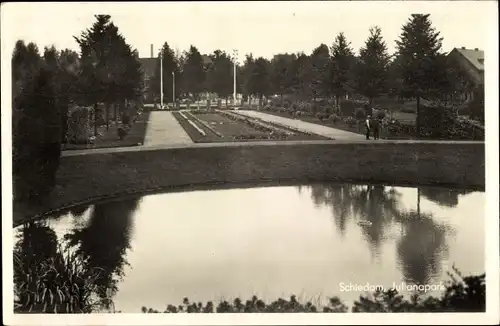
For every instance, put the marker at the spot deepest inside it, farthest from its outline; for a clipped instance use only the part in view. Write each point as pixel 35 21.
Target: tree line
pixel 45 86
pixel 417 69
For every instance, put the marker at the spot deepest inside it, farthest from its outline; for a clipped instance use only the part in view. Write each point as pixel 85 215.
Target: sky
pixel 262 28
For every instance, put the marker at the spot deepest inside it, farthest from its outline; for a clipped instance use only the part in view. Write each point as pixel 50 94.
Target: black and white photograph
pixel 250 162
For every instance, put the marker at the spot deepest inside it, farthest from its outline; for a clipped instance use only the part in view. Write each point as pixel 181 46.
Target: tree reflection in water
pixel 93 259
pixel 377 204
pixel 443 197
pixel 422 244
pixel 104 241
pixel 422 247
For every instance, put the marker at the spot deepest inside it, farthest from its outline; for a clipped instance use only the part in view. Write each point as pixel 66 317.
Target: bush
pixel 397 129
pixel 79 126
pixel 122 132
pixel 350 121
pixel 305 107
pixel 347 107
pixel 379 114
pixel 322 116
pixel 334 118
pixel 360 114
pixel 462 294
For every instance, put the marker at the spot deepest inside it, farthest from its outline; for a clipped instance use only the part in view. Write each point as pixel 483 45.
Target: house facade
pixel 469 65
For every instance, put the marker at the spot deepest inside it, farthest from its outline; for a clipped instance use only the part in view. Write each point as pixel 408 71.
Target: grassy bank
pixel 103 175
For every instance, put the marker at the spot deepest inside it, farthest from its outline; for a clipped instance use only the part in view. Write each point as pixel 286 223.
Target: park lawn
pixel 109 138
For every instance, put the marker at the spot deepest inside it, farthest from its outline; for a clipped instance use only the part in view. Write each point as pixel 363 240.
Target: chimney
pixel 476 49
pixel 463 47
pixel 152 56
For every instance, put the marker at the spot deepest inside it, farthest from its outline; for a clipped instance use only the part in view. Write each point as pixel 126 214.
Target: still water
pixel 273 241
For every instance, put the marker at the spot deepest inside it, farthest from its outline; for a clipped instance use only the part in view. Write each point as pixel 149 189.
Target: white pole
pixel 173 88
pixel 235 52
pixel 161 79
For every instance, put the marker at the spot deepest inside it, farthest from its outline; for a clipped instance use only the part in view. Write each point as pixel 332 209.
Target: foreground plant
pixel 462 294
pixel 59 284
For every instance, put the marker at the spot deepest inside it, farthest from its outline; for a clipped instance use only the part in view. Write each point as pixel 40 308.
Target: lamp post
pixel 173 88
pixel 161 79
pixel 235 54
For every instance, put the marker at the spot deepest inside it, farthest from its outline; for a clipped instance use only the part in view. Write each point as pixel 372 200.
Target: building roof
pixel 474 56
pixel 149 66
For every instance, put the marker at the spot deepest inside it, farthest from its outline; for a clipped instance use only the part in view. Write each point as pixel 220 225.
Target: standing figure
pixel 376 128
pixel 368 126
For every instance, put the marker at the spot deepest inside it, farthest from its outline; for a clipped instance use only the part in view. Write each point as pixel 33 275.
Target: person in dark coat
pixel 368 126
pixel 375 125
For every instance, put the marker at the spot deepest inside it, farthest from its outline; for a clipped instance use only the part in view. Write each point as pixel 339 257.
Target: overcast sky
pixel 263 28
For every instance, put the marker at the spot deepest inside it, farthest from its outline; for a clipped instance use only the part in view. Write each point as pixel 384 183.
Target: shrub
pixel 462 294
pixel 380 114
pixel 322 116
pixel 286 105
pixel 350 121
pixel 334 118
pixel 126 119
pixel 347 107
pixel 305 107
pixel 79 125
pixel 396 128
pixel 360 114
pixel 122 132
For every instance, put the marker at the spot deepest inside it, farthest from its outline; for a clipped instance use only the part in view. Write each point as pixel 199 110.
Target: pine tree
pixel 193 74
pixel 248 78
pixel 320 64
pixel 262 75
pixel 341 66
pixel 281 75
pixel 418 49
pixel 302 76
pixel 220 74
pixel 372 68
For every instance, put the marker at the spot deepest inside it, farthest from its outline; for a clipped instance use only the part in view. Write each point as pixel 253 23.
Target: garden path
pixel 164 129
pixel 300 125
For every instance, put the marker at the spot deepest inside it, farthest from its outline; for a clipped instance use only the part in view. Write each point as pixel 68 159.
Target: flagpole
pixel 161 79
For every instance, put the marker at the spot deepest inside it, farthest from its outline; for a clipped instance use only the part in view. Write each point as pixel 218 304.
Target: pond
pixel 314 241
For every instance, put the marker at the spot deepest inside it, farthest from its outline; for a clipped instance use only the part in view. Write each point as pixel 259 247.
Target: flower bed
pixel 205 124
pixel 255 123
pixel 282 126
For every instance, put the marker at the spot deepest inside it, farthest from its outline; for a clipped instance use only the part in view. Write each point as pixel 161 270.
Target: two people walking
pixel 372 126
